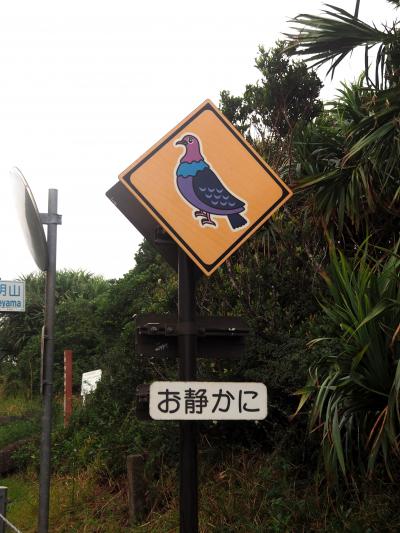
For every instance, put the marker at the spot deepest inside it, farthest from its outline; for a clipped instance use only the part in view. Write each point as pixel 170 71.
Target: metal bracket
pixel 217 337
pixel 187 328
pixel 142 400
pixel 162 237
pixel 48 218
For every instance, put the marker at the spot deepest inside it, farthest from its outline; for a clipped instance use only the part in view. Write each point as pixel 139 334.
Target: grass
pixel 17 406
pixel 240 492
pixel 18 428
pixel 257 493
pixel 244 493
pixel 77 504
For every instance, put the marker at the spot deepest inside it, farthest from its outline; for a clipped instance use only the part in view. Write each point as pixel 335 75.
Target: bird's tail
pixel 237 221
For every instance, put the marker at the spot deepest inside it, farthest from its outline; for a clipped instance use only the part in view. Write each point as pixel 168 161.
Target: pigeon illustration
pixel 204 190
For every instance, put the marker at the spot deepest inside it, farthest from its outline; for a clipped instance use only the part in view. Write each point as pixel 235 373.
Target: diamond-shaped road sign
pixel 206 186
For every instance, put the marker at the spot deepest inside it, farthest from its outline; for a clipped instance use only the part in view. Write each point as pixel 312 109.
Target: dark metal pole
pixel 45 443
pixel 3 508
pixel 357 9
pixel 187 372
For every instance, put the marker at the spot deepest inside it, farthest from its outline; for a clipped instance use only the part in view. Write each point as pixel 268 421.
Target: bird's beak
pixel 182 142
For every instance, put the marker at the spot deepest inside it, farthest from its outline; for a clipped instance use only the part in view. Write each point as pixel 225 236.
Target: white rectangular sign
pixel 12 296
pixel 205 400
pixel 89 382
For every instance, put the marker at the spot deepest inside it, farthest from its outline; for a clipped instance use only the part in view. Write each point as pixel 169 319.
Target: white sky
pixel 87 86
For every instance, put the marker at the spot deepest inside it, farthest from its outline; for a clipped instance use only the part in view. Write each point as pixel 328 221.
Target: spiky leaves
pixel 355 387
pixel 349 158
pixel 330 37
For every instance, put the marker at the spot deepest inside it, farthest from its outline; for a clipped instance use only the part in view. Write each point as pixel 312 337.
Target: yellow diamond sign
pixel 206 186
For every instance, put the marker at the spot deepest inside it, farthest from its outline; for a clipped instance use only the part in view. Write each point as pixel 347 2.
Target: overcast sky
pixel 87 86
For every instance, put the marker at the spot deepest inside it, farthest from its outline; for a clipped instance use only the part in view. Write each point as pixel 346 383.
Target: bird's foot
pixel 207 221
pixel 199 214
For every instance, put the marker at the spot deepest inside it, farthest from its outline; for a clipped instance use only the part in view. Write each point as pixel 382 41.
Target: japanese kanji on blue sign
pixel 197 400
pixel 12 296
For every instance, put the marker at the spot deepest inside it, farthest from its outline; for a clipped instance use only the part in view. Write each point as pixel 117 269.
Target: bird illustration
pixel 204 190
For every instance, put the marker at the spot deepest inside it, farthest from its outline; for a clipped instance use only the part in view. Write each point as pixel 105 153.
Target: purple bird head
pixel 192 149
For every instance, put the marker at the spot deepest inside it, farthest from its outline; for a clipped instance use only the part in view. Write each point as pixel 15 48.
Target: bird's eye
pixel 190 140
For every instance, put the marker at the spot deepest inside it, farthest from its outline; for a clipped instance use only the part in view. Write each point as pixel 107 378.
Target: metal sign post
pixel 44 253
pixel 51 219
pixel 187 335
pixel 3 507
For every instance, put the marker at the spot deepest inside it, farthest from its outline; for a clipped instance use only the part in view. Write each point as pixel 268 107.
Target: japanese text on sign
pixel 12 296
pixel 195 400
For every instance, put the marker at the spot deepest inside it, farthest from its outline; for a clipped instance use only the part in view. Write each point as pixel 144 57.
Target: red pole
pixel 67 386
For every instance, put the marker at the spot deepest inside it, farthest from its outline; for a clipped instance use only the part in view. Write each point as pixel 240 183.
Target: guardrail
pixel 3 511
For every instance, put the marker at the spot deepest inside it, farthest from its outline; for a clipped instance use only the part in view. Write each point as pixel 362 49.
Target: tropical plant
pixel 332 37
pixel 355 385
pixel 80 300
pixel 349 157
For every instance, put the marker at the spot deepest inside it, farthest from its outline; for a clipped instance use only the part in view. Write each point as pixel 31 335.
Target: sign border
pixel 207 268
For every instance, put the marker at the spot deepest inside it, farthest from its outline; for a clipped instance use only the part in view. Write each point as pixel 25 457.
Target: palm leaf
pixel 331 37
pixel 349 157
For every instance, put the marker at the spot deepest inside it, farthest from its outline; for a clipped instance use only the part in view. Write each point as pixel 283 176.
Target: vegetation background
pixel 319 286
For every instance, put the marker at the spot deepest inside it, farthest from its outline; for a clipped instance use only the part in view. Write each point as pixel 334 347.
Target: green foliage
pixel 96 319
pixel 286 93
pixel 18 430
pixel 348 171
pixel 19 338
pixel 242 492
pixel 348 158
pixel 258 283
pixel 19 420
pixel 269 111
pixel 334 36
pixel 151 286
pixel 105 430
pixel 16 406
pixel 80 299
pixel 355 387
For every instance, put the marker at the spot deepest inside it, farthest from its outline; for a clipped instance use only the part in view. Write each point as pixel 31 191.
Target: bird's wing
pixel 213 193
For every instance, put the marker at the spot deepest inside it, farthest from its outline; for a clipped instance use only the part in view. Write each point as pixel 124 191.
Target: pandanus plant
pixel 353 166
pixel 355 385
